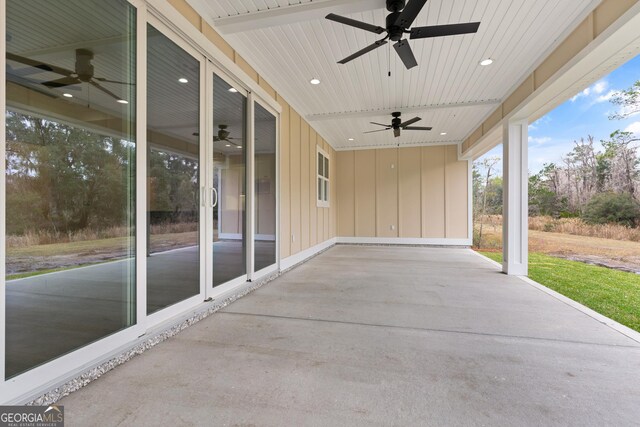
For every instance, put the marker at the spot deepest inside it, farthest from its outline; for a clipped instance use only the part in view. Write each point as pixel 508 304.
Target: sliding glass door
pixel 228 186
pixel 70 176
pixel 173 172
pixel 92 174
pixel 266 182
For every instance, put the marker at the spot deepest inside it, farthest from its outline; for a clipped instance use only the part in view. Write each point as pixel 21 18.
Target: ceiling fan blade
pixel 405 53
pixel 39 64
pixel 409 13
pixel 26 83
pixel 65 81
pixel 107 91
pixel 444 30
pixel 381 130
pixel 416 128
pixel 410 122
pixel 354 23
pixel 379 124
pixel 396 132
pixel 363 51
pixel 103 80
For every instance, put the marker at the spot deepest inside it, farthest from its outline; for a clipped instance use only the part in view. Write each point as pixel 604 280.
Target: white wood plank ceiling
pixel 448 89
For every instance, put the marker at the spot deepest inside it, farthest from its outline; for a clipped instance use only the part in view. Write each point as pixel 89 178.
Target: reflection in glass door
pixel 70 176
pixel 265 188
pixel 173 168
pixel 229 182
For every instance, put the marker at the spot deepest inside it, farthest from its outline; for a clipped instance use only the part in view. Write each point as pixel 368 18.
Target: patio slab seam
pixel 437 330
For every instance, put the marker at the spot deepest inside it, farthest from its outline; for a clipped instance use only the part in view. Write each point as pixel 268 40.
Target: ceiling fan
pixel 223 135
pixel 83 73
pixel 397 125
pixel 398 23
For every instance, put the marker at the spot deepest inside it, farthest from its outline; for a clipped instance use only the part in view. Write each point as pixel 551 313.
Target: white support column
pixel 515 210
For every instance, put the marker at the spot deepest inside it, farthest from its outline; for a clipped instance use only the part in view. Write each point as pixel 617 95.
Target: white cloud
pixel 606 97
pixel 584 93
pixel 600 86
pixel 629 110
pixel 633 128
pixel 595 90
pixel 539 140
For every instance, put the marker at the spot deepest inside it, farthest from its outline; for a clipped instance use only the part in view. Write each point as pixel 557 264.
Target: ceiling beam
pixel 295 13
pixel 384 112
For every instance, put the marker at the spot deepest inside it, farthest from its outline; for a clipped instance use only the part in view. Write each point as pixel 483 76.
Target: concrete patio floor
pixel 380 336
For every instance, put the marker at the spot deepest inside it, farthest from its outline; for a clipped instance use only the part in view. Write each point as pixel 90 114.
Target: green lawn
pixel 613 293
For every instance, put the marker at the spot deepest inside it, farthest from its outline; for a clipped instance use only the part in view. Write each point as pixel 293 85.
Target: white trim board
pixel 426 241
pixel 238 236
pixel 304 255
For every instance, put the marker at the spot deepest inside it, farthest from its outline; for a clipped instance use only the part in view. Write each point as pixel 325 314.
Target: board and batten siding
pixel 414 192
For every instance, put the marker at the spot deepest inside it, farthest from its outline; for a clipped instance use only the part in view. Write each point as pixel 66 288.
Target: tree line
pixel 63 179
pixel 598 185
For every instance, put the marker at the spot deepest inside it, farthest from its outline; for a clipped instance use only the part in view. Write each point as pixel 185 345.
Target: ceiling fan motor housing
pixel 395 5
pixel 395 32
pixel 84 68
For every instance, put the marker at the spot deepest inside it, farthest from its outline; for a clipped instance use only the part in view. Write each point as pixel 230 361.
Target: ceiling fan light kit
pixel 397 24
pixel 223 136
pixel 398 125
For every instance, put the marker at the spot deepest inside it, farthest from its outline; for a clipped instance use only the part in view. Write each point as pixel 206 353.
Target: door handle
pixel 214 200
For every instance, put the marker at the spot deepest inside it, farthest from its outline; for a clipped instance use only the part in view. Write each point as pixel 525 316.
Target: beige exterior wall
pixel 408 192
pixel 417 192
pixel 302 223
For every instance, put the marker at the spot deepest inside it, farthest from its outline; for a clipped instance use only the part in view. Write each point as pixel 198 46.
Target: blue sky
pixel 552 136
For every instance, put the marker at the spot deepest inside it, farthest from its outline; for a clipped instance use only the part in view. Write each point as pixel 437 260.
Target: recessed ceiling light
pixel 314 81
pixel 443 133
pixel 350 139
pixel 227 145
pixel 67 95
pixel 183 80
pixel 487 61
pixel 233 90
pixel 239 146
pixel 122 101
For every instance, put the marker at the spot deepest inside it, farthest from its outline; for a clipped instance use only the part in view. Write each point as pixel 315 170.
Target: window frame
pixel 325 189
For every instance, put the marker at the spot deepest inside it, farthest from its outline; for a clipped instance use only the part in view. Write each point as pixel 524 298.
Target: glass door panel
pixel 229 182
pixel 265 188
pixel 173 168
pixel 70 176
